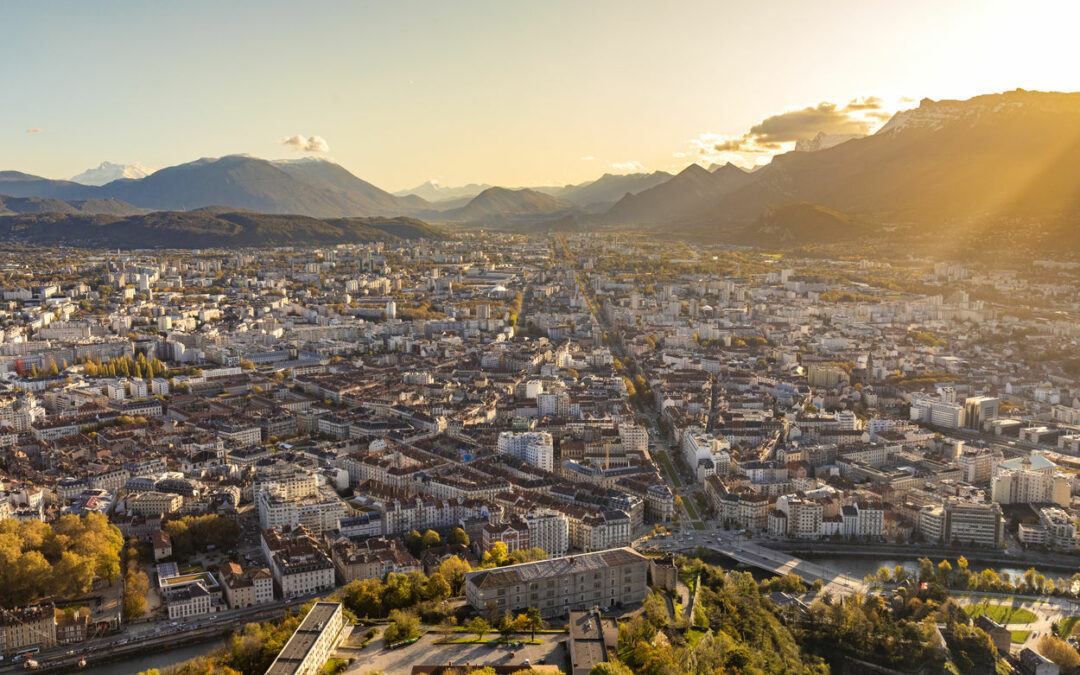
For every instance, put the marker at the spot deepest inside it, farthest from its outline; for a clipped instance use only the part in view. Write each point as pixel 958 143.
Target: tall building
pixel 534 447
pixel 979 409
pixel 969 523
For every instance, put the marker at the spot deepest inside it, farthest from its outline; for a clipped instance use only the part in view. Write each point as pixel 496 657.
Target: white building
pixel 534 447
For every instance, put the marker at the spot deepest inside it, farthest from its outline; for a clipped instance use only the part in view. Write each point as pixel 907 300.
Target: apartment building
pixel 558 585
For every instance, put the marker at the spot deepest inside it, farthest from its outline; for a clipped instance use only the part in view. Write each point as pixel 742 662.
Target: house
pixel 162 544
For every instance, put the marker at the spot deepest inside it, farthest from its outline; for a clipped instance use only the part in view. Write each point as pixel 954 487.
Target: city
pixel 540 338
pixel 264 427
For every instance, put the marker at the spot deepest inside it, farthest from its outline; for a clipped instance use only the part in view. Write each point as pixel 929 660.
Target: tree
pixel 497 556
pixel 459 537
pixel 403 626
pixel 506 626
pixel 453 569
pixel 414 542
pixel 478 627
pixel 534 621
pixel 1059 651
pixel 610 668
pixel 136 586
pixel 437 587
pixel 431 538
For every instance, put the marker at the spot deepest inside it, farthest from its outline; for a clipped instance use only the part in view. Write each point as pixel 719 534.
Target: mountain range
pixel 944 168
pixel 107 172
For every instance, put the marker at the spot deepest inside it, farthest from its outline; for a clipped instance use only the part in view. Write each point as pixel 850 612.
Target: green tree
pixel 478 627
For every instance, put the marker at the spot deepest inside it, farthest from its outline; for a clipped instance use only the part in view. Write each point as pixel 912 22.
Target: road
pixel 141 637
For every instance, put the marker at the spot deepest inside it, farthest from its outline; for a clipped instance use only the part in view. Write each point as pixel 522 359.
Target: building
pixel 1026 486
pixel 534 447
pixel 970 523
pixel 162 544
pixel 593 639
pixel 557 585
pixel 549 531
pixel 297 562
pixel 246 588
pixel 27 628
pixel 153 503
pixel 309 648
pixel 1060 528
pixel 706 455
pixel 1000 635
pixel 186 600
pixel 979 409
pixel 1034 663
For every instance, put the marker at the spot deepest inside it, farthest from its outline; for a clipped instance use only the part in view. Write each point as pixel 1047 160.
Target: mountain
pixel 609 188
pixel 799 223
pixel 206 228
pixel 987 169
pixel 687 192
pixel 311 187
pixel 433 192
pixel 495 205
pixel 323 174
pixel 18 184
pixel 22 205
pixel 107 172
pixel 824 141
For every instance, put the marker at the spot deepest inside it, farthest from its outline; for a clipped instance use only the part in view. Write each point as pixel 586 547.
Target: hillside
pixel 206 229
pixel 497 205
pixel 23 205
pixel 674 200
pixel 946 169
pixel 798 223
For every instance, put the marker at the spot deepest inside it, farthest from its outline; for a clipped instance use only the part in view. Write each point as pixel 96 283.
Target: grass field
pixel 1067 625
pixel 668 468
pixel 1020 636
pixel 1003 614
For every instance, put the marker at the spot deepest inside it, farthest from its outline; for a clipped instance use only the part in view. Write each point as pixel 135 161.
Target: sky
pixel 502 92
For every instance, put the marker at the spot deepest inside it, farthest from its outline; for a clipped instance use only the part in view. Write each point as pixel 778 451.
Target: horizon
pixel 574 93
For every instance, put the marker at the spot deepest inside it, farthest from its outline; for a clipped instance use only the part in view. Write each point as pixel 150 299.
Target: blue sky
pixel 515 93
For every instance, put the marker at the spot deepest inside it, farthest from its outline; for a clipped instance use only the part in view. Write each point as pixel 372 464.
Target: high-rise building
pixel 534 447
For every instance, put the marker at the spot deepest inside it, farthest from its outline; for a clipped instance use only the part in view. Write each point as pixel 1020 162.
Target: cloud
pixel 630 166
pixel 797 125
pixel 587 158
pixel 730 145
pixel 34 130
pixel 865 103
pixel 306 143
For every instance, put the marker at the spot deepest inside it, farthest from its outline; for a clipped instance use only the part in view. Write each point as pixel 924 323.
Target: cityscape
pixel 801 398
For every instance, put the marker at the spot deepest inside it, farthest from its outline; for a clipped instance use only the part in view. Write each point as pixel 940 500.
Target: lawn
pixel 1065 628
pixel 668 468
pixel 1020 636
pixel 1003 614
pixel 691 511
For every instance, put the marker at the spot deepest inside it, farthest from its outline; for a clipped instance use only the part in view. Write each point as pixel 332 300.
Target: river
pixel 158 659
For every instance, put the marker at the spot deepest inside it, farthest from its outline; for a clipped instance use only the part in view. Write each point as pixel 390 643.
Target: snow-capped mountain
pixel 107 172
pixel 823 141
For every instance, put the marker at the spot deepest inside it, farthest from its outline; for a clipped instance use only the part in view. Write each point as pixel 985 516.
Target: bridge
pixel 754 555
pixel 778 562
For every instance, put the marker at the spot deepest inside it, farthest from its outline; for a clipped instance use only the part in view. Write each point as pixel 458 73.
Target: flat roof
pixel 303 640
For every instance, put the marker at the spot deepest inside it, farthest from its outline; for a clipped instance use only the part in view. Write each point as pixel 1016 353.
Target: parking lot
pixel 425 651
